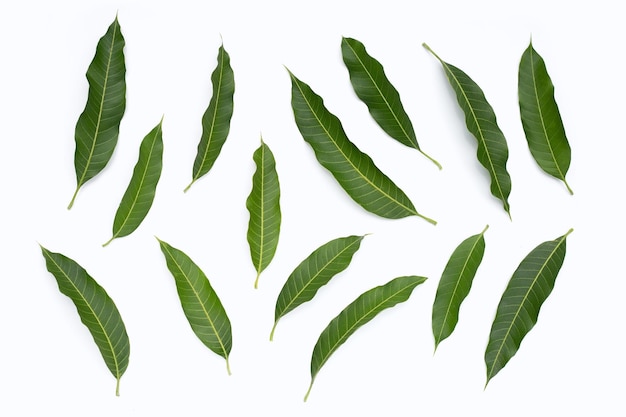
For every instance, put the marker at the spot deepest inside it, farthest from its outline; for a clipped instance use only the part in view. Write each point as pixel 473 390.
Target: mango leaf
pixel 480 119
pixel 98 126
pixel 139 195
pixel 540 116
pixel 263 203
pixel 354 170
pixel 355 315
pixel 96 309
pixel 531 283
pixel 382 99
pixel 216 119
pixel 455 285
pixel 313 273
pixel 200 303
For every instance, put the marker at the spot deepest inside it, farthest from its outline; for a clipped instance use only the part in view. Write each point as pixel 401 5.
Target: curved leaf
pixel 354 170
pixel 96 309
pixel 531 283
pixel 200 303
pixel 263 203
pixel 480 119
pixel 313 273
pixel 381 98
pixel 139 195
pixel 98 126
pixel 355 315
pixel 455 285
pixel 540 116
pixel 216 119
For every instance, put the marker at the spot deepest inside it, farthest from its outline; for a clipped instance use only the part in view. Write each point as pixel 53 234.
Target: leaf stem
pixel 272 332
pixel 568 188
pixel 256 281
pixel 431 158
pixel 228 367
pixel 429 220
pixel 306 396
pixel 104 245
pixel 117 387
pixel 74 198
pixel 189 186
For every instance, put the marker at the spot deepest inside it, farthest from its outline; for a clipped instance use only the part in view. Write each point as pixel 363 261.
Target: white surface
pixel 572 363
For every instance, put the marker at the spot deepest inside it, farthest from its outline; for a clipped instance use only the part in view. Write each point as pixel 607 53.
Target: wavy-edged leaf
pixel 455 284
pixel 480 119
pixel 98 126
pixel 263 203
pixel 313 273
pixel 541 118
pixel 139 195
pixel 356 314
pixel 216 119
pixel 200 303
pixel 372 86
pixel 96 309
pixel 354 170
pixel 531 284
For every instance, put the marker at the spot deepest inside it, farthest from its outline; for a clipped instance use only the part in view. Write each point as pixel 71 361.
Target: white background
pixel 572 362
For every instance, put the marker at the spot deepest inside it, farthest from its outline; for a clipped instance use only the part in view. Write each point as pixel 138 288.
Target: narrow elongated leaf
pixel 541 118
pixel 354 170
pixel 96 309
pixel 531 283
pixel 455 285
pixel 98 126
pixel 480 119
pixel 263 203
pixel 355 315
pixel 139 195
pixel 314 272
pixel 216 119
pixel 381 98
pixel 200 303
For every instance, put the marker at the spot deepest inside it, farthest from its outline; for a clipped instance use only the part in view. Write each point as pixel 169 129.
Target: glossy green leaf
pixel 354 170
pixel 355 315
pixel 313 273
pixel 531 283
pixel 98 126
pixel 372 86
pixel 216 119
pixel 200 303
pixel 480 119
pixel 455 285
pixel 541 119
pixel 263 203
pixel 139 195
pixel 96 309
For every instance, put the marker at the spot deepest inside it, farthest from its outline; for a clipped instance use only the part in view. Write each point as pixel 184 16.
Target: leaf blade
pixel 201 305
pixel 315 271
pixel 371 85
pixel 96 310
pixel 356 314
pixel 139 195
pixel 354 170
pixel 541 119
pixel 263 204
pixel 97 128
pixel 531 284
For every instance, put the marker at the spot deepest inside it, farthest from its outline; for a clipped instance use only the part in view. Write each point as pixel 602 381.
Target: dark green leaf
pixel 98 126
pixel 541 119
pixel 96 309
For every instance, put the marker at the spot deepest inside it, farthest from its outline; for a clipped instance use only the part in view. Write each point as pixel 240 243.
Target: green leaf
pixel 541 119
pixel 531 283
pixel 98 126
pixel 354 170
pixel 200 303
pixel 263 203
pixel 139 195
pixel 381 98
pixel 480 119
pixel 355 315
pixel 455 285
pixel 313 273
pixel 96 309
pixel 216 119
